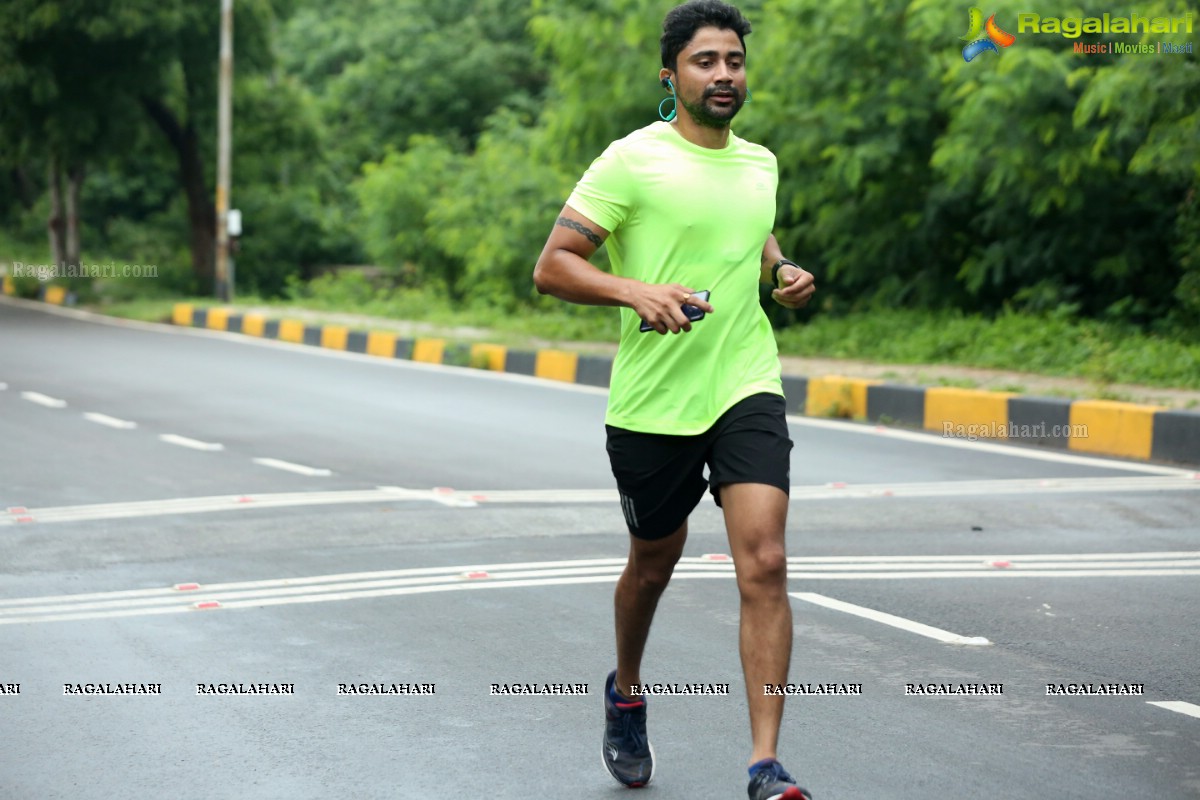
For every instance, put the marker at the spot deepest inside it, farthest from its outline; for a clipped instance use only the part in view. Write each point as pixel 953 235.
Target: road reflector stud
pixel 24 519
pixel 17 510
pixel 476 575
pixel 1000 564
pixel 204 605
pixel 838 485
pixel 244 499
pixel 186 587
pixel 715 557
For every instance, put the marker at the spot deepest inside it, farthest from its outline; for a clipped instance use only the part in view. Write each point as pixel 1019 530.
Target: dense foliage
pixel 438 141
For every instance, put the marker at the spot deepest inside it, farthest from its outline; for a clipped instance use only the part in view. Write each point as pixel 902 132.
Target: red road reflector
pixel 1000 564
pixel 24 519
pixel 838 485
pixel 204 605
pixel 443 490
pixel 479 498
pixel 888 493
pixel 17 509
pixel 475 575
pixel 186 587
pixel 244 499
pixel 716 557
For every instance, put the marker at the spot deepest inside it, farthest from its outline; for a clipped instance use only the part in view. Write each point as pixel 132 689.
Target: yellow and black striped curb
pixel 559 365
pixel 55 295
pixel 1099 427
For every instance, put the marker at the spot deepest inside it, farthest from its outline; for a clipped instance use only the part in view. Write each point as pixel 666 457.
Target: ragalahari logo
pixel 982 36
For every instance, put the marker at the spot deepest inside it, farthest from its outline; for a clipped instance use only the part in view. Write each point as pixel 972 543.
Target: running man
pixel 687 206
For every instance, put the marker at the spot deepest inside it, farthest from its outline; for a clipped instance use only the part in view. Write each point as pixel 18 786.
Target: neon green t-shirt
pixel 681 213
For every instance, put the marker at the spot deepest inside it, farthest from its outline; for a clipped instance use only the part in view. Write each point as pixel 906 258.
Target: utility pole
pixel 224 287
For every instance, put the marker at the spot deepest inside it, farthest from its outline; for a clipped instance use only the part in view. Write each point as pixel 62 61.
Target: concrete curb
pixel 1098 427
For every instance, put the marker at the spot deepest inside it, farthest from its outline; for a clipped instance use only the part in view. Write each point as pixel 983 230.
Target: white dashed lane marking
pixel 111 422
pixel 44 400
pixel 194 444
pixel 299 469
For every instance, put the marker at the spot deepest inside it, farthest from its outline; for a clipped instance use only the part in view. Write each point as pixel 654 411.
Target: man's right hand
pixel 661 305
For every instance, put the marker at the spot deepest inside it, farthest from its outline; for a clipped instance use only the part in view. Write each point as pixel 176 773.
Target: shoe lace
pixel 772 773
pixel 633 729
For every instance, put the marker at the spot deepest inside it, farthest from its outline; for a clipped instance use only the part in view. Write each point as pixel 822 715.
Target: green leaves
pixel 440 140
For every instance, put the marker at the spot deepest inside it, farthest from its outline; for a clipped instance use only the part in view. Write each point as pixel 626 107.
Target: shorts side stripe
pixel 628 510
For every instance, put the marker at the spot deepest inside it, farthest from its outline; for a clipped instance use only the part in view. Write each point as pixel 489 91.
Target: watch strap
pixel 775 270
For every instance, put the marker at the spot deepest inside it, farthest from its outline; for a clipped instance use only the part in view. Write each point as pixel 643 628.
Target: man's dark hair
pixel 682 22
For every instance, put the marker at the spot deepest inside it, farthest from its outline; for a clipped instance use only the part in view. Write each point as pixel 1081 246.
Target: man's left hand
pixel 796 286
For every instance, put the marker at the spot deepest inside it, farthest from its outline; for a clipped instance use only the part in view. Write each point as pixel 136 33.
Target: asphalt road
pixel 350 520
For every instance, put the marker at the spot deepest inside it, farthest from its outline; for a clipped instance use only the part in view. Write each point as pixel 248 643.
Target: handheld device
pixel 693 313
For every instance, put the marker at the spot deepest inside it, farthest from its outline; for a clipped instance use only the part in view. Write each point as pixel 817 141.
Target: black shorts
pixel 661 476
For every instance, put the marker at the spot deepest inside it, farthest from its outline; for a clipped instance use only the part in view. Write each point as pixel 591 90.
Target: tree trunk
pixel 202 214
pixel 26 192
pixel 74 188
pixel 55 222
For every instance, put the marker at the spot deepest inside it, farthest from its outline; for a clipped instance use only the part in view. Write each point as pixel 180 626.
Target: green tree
pixel 396 198
pixel 387 70
pixel 66 72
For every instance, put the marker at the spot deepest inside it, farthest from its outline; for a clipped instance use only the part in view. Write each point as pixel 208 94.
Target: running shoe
pixel 772 782
pixel 628 756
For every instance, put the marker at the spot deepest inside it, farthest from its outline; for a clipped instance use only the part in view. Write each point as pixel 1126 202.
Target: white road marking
pixel 1027 451
pixel 334 578
pixel 1180 707
pixel 195 444
pixel 112 422
pixel 992 573
pixel 929 438
pixel 299 469
pixel 44 400
pixel 988 558
pixel 384 494
pixel 421 580
pixel 890 619
pixel 452 501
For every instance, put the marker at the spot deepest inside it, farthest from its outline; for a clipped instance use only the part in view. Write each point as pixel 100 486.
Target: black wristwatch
pixel 775 270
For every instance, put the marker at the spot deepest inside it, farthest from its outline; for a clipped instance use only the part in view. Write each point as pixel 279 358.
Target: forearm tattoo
pixel 591 235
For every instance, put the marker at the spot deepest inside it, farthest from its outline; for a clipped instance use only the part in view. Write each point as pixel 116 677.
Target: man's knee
pixel 652 563
pixel 764 567
pixel 653 577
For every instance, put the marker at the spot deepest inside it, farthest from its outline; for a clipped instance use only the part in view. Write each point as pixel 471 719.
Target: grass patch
pixel 1049 345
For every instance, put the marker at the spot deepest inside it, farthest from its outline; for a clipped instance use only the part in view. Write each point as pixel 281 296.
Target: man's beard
pixel 710 116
